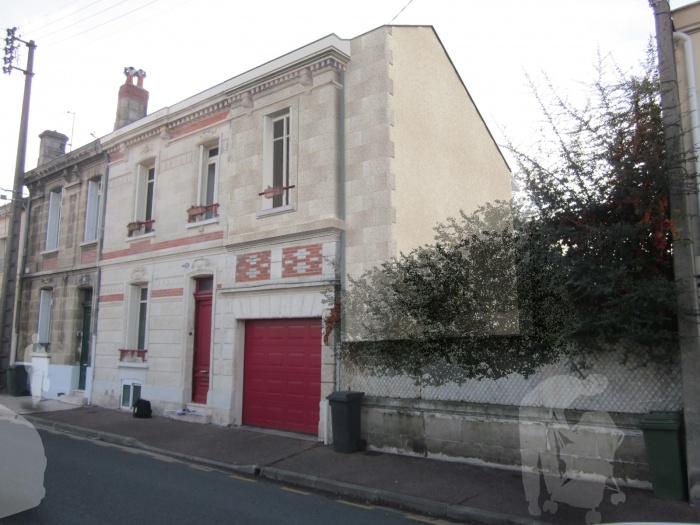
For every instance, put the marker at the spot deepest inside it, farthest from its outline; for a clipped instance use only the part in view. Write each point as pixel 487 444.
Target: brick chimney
pixel 133 99
pixel 52 146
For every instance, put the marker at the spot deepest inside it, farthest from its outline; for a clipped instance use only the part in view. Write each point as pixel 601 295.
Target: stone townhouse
pixel 230 213
pixel 59 270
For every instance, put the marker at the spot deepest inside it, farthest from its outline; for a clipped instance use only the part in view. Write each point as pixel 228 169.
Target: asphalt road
pixel 91 482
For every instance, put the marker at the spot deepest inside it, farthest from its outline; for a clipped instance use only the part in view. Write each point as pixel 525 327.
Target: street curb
pixel 375 496
pixel 116 439
pixel 384 497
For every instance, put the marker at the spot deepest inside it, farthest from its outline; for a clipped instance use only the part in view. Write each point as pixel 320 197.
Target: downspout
pixel 341 216
pixel 340 256
pixel 93 343
pixel 692 101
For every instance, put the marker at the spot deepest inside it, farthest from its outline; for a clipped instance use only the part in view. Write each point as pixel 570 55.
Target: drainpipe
pixel 692 100
pixel 341 216
pixel 96 295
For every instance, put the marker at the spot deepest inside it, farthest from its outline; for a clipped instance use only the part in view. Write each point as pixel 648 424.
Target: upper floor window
pixel 276 169
pixel 137 318
pixel 144 201
pixel 92 210
pixel 54 220
pixel 207 205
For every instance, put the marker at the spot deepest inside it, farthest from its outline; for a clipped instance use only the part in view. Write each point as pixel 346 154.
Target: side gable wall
pixel 445 157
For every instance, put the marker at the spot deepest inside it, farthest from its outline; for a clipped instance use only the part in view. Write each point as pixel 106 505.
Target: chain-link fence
pixel 630 389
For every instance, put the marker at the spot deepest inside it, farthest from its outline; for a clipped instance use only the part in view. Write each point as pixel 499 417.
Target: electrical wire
pixel 397 14
pixel 58 11
pixel 100 25
pixel 141 21
pixel 82 20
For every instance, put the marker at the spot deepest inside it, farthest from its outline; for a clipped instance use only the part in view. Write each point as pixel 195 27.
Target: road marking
pixel 103 443
pixel 243 479
pixel 368 507
pixel 199 467
pixel 131 450
pixel 425 520
pixel 296 491
pixel 79 438
pixel 163 458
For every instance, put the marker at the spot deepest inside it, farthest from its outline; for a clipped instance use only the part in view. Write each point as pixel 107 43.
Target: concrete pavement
pixel 445 489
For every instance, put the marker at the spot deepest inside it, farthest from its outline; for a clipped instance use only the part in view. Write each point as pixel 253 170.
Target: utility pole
pixel 8 296
pixel 684 252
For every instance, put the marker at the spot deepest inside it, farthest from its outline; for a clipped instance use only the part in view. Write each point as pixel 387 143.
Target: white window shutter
pixel 45 302
pixel 54 222
pixel 92 210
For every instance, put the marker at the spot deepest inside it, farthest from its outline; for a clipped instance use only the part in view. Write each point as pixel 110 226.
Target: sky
pixel 187 46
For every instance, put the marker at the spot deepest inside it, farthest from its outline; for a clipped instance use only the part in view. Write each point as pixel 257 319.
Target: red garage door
pixel 282 384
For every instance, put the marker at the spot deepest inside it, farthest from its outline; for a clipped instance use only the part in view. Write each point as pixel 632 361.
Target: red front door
pixel 282 374
pixel 202 340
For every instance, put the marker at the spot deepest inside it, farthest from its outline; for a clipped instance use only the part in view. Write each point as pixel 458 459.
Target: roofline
pixel 285 61
pixel 488 130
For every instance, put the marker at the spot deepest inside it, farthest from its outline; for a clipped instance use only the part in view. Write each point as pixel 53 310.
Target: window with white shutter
pixel 54 222
pixel 92 210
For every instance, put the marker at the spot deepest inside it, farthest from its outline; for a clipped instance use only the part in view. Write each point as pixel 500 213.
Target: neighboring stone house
pixel 5 217
pixel 231 212
pixel 59 273
pixel 686 37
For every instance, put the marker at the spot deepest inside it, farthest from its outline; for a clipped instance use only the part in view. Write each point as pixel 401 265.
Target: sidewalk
pixel 448 490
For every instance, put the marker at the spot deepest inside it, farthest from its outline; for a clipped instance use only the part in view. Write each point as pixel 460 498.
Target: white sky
pixel 186 46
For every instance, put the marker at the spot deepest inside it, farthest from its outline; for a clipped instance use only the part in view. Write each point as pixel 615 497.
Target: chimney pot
pixel 52 146
pixel 132 103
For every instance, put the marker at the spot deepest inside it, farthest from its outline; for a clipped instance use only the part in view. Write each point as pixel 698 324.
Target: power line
pixel 58 11
pixel 141 21
pixel 83 20
pixel 102 24
pixel 397 14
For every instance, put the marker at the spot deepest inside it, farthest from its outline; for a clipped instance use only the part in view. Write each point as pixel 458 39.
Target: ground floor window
pixel 131 391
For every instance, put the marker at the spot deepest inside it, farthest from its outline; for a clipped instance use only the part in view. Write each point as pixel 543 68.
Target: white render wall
pixel 445 158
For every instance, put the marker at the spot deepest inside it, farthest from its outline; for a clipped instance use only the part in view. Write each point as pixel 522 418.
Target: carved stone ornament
pixel 36 189
pixel 247 100
pixel 138 273
pixel 306 79
pixel 47 281
pixel 200 263
pixel 85 279
pixel 164 133
pixel 207 134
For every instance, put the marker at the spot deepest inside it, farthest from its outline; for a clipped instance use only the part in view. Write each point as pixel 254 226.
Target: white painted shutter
pixel 92 210
pixel 54 220
pixel 45 302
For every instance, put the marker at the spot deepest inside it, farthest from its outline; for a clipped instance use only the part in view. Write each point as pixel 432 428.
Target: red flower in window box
pixel 275 191
pixel 196 209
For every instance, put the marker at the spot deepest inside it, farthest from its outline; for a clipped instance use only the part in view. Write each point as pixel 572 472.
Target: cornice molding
pixel 61 164
pixel 243 94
